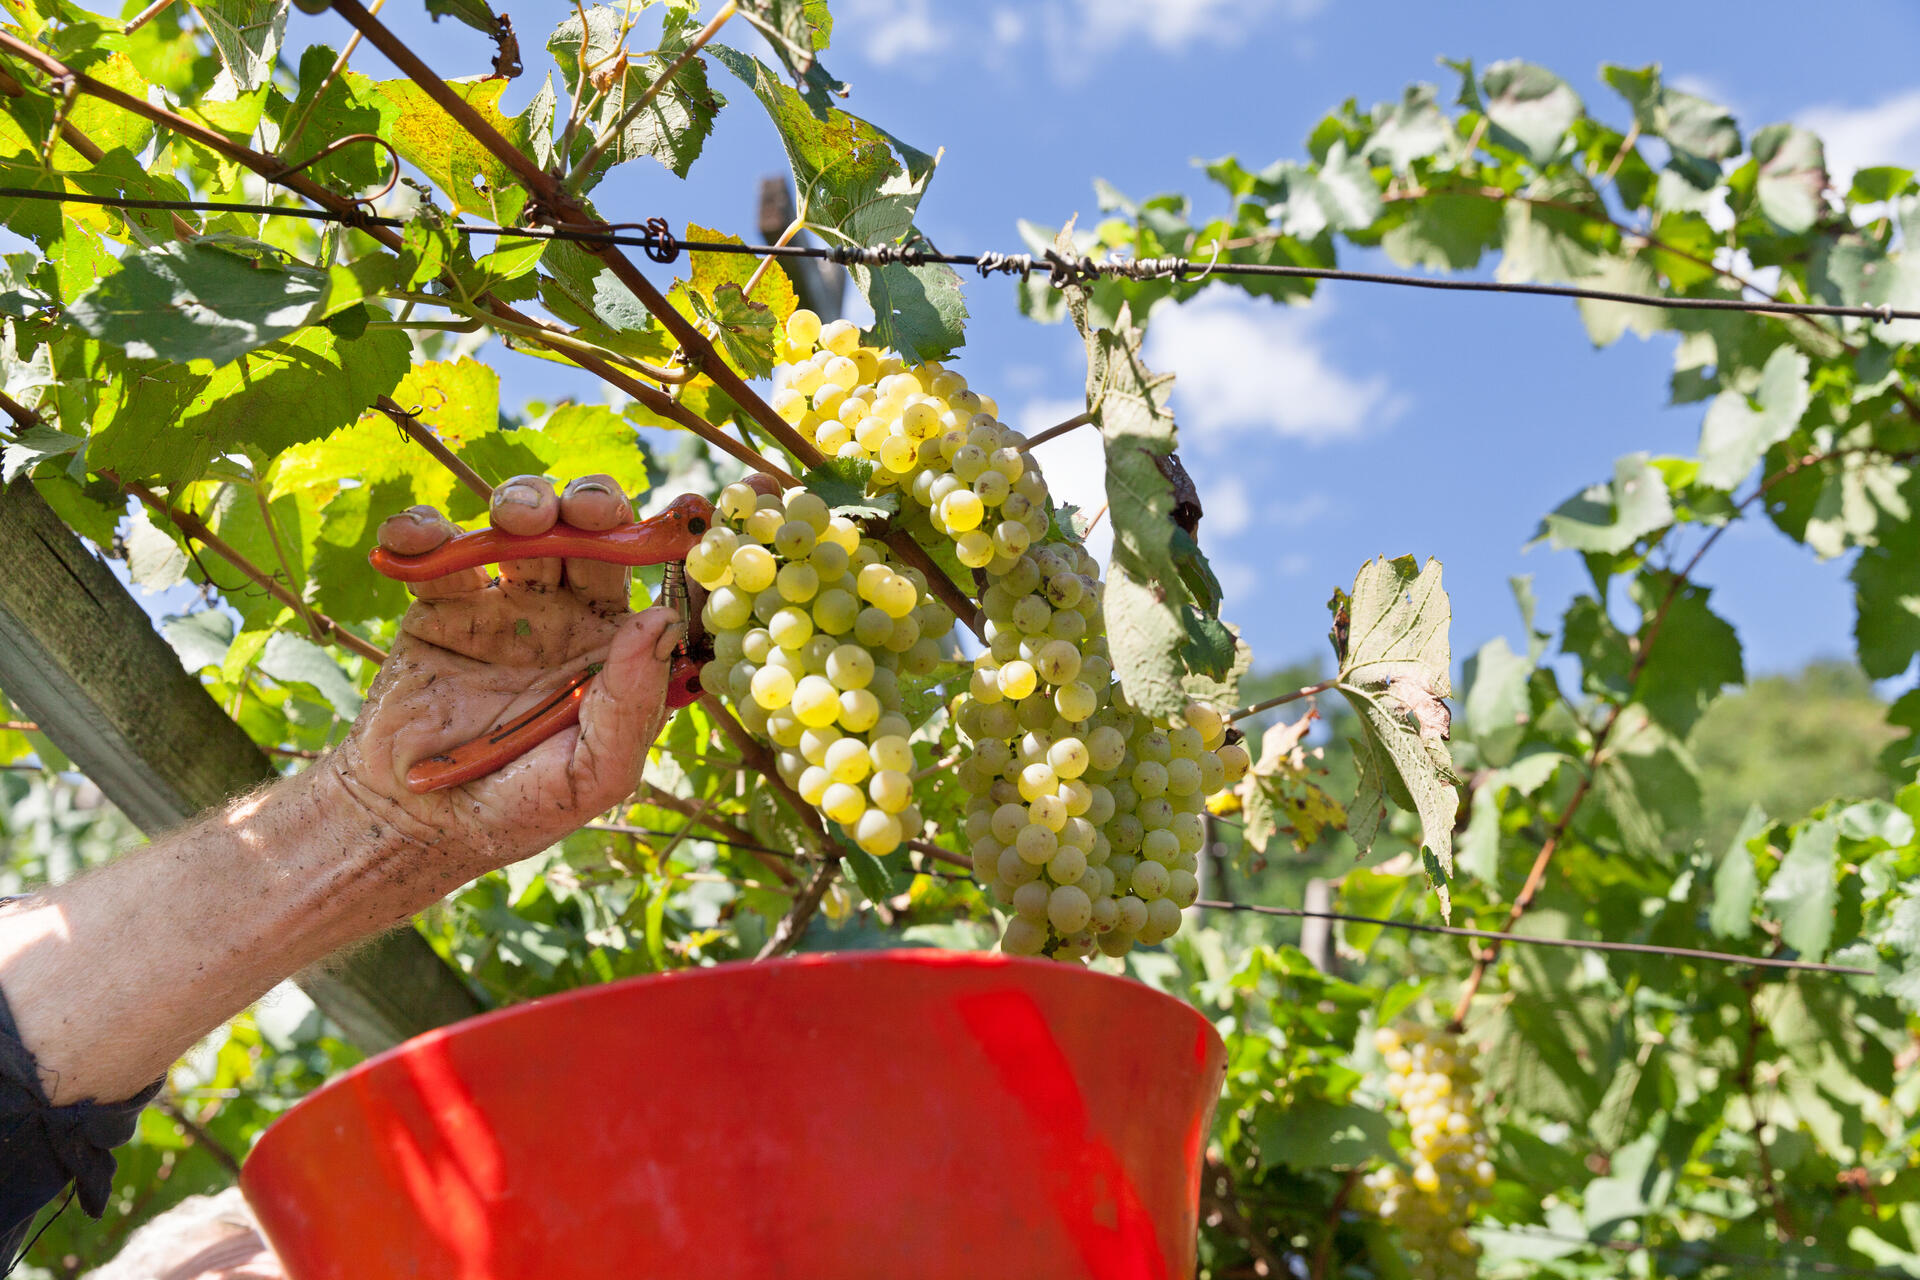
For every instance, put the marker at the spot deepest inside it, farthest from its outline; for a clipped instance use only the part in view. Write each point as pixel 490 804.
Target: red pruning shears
pixel 661 539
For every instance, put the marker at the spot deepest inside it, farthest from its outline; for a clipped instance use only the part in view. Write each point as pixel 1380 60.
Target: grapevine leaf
pixel 207 299
pixel 1394 672
pixel 745 329
pixel 1802 892
pixel 345 585
pixel 869 872
pixel 1528 108
pixel 200 639
pixel 1222 689
pixel 1860 272
pixel 1792 182
pixel 1279 792
pixel 1693 656
pixel 917 311
pixel 1735 435
pixel 1444 232
pixel 841 483
pixel 473 178
pixel 674 124
pixel 33 446
pixel 246 34
pixel 1498 704
pixel 154 560
pixel 1158 627
pixel 587 439
pixel 292 659
pixel 329 108
pixel 797 30
pixel 1314 1134
pixel 1412 129
pixel 857 184
pixel 712 270
pixel 1736 884
pixel 475 13
pixel 1886 600
pixel 1610 518
pixel 171 421
pixel 1646 784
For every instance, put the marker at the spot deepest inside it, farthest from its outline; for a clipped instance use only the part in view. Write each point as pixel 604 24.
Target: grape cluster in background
pixel 1451 1172
pixel 1086 818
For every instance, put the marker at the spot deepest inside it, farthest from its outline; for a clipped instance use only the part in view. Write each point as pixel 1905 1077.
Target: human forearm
pixel 113 975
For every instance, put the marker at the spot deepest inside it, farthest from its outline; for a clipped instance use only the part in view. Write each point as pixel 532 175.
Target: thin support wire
pixel 1061 270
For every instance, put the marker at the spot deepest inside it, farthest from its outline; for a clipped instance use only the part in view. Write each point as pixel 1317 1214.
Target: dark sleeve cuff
pixel 44 1147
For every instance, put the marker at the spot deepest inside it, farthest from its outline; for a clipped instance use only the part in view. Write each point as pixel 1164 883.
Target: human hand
pixel 474 652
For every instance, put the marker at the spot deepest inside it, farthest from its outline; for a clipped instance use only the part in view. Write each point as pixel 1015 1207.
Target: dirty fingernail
pixel 524 495
pixel 588 486
pixel 669 641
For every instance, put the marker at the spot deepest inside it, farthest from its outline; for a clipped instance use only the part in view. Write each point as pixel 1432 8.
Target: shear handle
pixel 659 539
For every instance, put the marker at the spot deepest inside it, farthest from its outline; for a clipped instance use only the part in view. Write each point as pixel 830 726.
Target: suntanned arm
pixel 112 976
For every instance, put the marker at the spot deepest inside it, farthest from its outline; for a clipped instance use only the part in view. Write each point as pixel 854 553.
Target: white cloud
pixel 1887 132
pixel 892 30
pixel 1243 365
pixel 1008 27
pixel 1228 506
pixel 1075 464
pixel 1172 25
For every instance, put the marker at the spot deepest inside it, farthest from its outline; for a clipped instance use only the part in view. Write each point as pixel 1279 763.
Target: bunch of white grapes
pixel 811 628
pixel 1087 818
pixel 1432 1203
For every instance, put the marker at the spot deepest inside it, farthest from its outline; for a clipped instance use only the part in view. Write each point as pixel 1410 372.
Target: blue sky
pixel 1376 420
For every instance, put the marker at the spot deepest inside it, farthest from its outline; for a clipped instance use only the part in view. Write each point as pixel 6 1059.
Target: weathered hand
pixel 474 652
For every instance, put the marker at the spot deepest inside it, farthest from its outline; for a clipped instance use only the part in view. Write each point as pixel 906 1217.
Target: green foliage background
pixel 1651 1113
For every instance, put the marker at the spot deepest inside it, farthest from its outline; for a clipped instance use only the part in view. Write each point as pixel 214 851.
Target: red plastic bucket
pixel 894 1114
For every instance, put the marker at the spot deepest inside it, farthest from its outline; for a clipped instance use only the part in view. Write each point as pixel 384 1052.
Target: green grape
pixel 850 667
pixel 797 583
pixel 1233 762
pixel 1018 679
pixel 794 540
pixel 843 803
pixel 847 761
pixel 1014 870
pixel 1030 614
pixel 1160 846
pixel 1149 778
pixel 1036 780
pixel 803 329
pixel 1183 776
pixel 1049 811
pixel 772 687
pixel 1076 700
pixel 815 740
pixel 1067 865
pixel 872 627
pixel 859 710
pixel 1030 901
pixel 736 502
pixel 813 783
pixel 1058 662
pixel 790 627
pixel 829 560
pixel 891 790
pixel 835 610
pixel 727 609
pixel 922 658
pixel 1036 844
pixel 761 526
pixel 962 510
pixel 816 701
pixel 1068 757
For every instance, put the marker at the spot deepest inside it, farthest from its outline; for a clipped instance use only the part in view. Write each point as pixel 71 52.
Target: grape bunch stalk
pixel 1432 1203
pixel 1085 816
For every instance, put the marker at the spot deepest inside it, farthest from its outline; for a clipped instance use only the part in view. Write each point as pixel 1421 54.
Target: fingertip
pixel 524 505
pixel 643 643
pixel 414 531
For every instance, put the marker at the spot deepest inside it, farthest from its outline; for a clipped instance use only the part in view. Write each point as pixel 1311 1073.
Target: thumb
pixel 625 706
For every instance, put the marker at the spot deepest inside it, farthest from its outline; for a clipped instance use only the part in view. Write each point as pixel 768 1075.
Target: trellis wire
pixel 1061 269
pixel 1412 926
pixel 1575 944
pixel 1685 1250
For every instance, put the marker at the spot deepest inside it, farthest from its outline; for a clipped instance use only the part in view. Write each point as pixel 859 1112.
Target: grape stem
pixel 1078 420
pixel 938 854
pixel 422 435
pixel 793 925
pixel 1306 691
